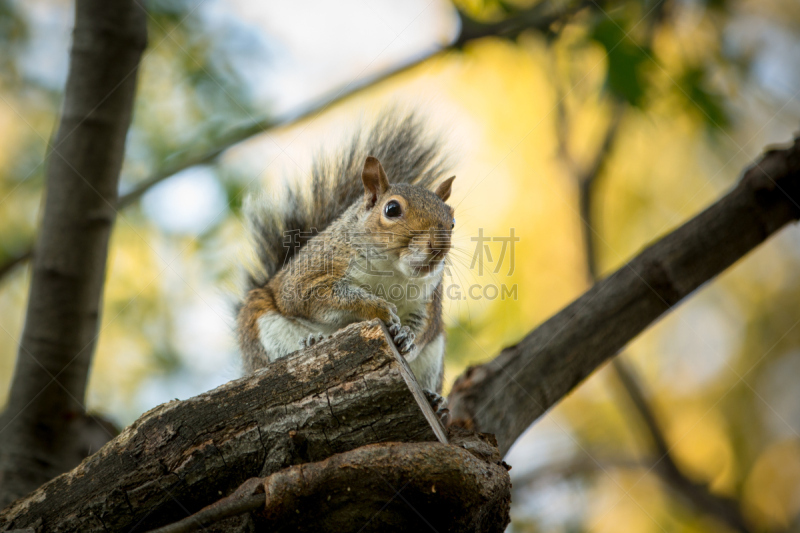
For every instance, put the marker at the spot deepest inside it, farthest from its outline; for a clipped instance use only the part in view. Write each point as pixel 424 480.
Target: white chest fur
pixel 388 280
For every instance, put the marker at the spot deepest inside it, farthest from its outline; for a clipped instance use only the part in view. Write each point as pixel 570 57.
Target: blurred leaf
pixel 235 193
pixel 461 340
pixel 708 104
pixel 13 28
pixel 626 59
pixel 167 360
pixel 720 5
pixel 170 10
pixel 14 35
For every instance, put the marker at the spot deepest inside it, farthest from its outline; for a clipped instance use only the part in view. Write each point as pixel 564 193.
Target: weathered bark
pixel 506 395
pixel 61 324
pixel 348 391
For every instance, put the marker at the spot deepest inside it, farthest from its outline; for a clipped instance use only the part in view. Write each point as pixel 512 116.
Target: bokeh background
pixel 662 103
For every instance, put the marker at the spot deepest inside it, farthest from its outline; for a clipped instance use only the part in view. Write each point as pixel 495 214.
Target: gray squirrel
pixel 367 239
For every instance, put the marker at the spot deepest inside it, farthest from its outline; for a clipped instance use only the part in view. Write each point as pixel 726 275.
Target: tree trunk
pixel 506 395
pixel 45 408
pixel 348 391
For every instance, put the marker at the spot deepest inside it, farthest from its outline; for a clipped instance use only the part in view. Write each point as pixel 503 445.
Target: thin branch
pixel 696 495
pixel 692 495
pixel 12 262
pixel 541 17
pixel 536 18
pixel 250 129
pixel 635 394
pixel 587 184
pixel 225 508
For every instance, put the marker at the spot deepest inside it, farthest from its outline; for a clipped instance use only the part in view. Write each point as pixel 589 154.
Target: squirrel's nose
pixel 439 242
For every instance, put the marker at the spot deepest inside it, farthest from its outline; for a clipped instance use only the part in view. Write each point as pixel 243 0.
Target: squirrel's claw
pixel 311 340
pixel 403 338
pixel 394 319
pixel 402 334
pixel 408 347
pixel 439 406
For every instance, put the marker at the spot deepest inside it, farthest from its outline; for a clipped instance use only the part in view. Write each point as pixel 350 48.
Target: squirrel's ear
pixel 375 181
pixel 444 188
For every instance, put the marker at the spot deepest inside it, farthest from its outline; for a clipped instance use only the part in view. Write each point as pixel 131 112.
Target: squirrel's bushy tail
pixel 407 152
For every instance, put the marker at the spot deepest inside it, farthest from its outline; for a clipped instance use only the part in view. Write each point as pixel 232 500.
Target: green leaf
pixel 707 104
pixel 236 193
pixel 720 5
pixel 626 60
pixel 167 360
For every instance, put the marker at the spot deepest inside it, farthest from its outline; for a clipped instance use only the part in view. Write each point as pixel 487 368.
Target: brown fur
pixel 322 287
pixel 257 302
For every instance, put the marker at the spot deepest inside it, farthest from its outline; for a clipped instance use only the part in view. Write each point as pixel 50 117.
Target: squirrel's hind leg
pixel 428 368
pixel 439 405
pixel 428 365
pixel 311 340
pixel 281 335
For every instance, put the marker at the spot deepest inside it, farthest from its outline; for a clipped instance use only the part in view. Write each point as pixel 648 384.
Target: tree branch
pixel 11 263
pixel 82 177
pixel 698 496
pixel 506 395
pixel 587 182
pixel 536 18
pixel 217 512
pixel 695 495
pixel 350 390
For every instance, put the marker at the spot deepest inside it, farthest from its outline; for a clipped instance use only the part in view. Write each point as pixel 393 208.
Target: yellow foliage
pixel 701 446
pixel 772 490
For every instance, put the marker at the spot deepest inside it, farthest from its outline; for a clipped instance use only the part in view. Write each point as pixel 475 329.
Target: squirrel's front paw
pixel 403 338
pixel 311 340
pixel 388 313
pixel 439 405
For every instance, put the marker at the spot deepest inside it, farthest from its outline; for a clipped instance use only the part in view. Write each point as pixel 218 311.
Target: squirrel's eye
pixel 393 209
pixel 454 224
